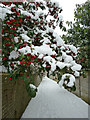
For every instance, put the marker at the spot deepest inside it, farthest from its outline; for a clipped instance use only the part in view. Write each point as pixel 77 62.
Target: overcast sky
pixel 68 7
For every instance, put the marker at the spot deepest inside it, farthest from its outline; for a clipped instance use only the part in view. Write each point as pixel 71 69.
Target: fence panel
pixel 14 97
pixel 82 88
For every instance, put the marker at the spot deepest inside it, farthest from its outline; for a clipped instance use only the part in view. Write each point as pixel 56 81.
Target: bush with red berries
pixel 30 43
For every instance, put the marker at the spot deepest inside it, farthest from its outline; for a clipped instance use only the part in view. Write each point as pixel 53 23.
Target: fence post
pixel 79 87
pixel 0 95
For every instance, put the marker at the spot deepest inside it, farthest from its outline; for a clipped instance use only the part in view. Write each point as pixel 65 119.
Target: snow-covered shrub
pixel 29 39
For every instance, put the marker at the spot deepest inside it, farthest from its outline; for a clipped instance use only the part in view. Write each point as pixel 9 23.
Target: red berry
pixel 53 56
pixel 12 20
pixel 28 53
pixel 10 78
pixel 27 75
pixel 48 66
pixel 21 73
pixel 20 20
pixel 17 13
pixel 4 58
pixel 59 46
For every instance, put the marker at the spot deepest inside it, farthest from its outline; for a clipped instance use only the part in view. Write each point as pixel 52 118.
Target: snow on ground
pixel 52 101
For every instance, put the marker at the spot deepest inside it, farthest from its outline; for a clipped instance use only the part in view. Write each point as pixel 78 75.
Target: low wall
pixel 15 97
pixel 82 87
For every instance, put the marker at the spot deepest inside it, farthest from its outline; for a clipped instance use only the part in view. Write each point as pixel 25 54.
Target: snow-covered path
pixel 55 102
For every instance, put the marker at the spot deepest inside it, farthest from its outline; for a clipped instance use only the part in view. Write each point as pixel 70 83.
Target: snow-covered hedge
pixel 29 39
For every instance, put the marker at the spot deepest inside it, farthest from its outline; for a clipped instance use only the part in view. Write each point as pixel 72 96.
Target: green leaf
pixel 73 88
pixel 32 92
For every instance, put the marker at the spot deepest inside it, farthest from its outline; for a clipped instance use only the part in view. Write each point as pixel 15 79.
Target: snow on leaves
pixel 28 28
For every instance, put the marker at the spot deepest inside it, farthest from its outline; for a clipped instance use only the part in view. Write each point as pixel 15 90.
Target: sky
pixel 68 7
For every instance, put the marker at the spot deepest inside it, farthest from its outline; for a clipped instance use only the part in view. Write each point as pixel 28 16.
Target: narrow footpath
pixel 52 101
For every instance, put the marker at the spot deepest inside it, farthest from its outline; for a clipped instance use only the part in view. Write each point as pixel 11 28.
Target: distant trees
pixel 78 33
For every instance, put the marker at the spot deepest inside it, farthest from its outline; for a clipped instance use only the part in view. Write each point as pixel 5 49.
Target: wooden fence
pixel 14 97
pixel 0 96
pixel 82 88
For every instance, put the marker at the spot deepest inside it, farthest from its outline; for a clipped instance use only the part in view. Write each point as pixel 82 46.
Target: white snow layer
pixel 25 50
pixel 76 67
pixel 3 69
pixel 43 49
pixel 32 86
pixel 76 74
pixel 25 37
pixel 4 11
pixel 52 101
pixel 73 48
pixel 71 78
pixel 61 65
pixel 13 55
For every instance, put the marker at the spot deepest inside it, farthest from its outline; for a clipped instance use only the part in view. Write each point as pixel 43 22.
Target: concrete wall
pixel 14 97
